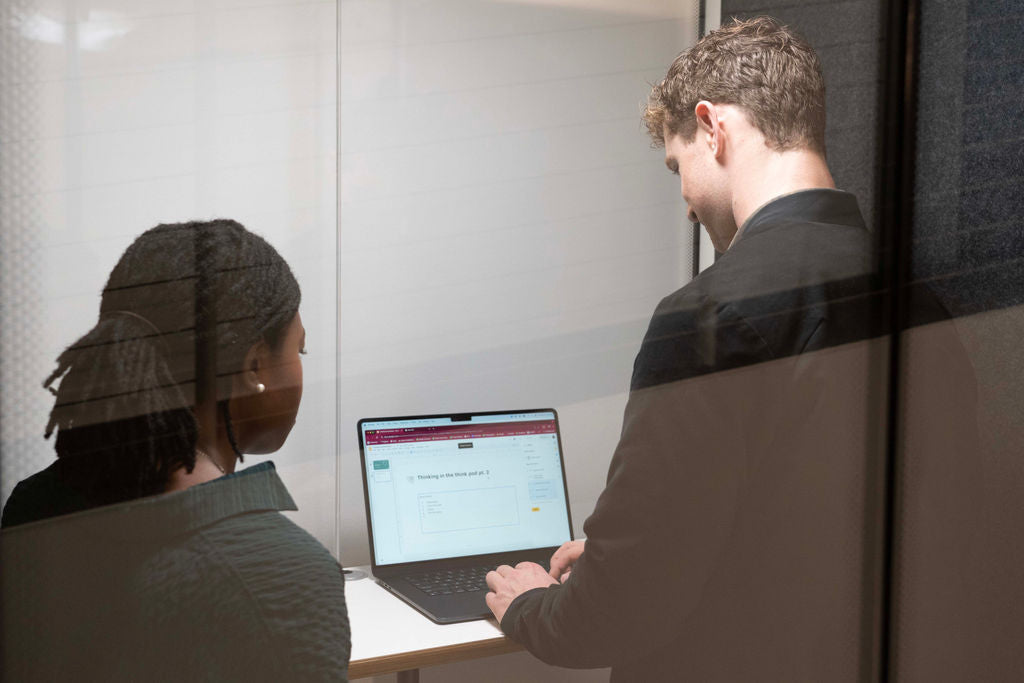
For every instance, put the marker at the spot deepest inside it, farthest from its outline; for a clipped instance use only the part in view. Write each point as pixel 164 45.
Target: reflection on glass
pixel 194 360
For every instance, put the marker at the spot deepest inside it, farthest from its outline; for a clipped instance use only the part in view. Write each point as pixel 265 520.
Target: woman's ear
pixel 249 380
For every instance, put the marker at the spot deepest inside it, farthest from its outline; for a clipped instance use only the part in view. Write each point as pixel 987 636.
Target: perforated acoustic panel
pixel 23 403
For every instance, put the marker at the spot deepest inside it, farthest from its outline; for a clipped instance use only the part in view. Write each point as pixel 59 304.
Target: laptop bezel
pixel 405 567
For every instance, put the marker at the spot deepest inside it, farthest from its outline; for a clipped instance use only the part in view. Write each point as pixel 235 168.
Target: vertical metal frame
pixel 895 212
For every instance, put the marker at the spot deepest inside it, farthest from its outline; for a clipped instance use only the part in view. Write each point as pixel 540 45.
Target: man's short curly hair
pixel 758 65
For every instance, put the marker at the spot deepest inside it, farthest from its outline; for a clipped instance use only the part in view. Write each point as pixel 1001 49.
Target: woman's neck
pixel 215 457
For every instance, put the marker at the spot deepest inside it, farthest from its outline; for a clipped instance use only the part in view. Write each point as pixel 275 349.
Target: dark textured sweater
pixel 211 583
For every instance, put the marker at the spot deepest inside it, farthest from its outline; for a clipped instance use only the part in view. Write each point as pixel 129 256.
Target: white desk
pixel 388 636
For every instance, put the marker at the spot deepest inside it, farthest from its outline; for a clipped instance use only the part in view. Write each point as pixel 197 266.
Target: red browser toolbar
pixel 452 432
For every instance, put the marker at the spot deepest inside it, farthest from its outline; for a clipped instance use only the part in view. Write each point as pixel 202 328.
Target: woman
pixel 182 566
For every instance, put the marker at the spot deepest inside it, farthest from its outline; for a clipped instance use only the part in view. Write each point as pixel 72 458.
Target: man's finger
pixel 557 565
pixel 564 576
pixel 490 599
pixel 565 557
pixel 560 553
pixel 504 570
pixel 492 580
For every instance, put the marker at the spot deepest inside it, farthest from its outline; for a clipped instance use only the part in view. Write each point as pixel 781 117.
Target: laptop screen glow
pixel 439 489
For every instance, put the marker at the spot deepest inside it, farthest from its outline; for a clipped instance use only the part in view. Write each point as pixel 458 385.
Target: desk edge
pixel 446 654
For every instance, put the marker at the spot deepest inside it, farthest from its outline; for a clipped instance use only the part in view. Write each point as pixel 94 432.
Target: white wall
pixel 118 118
pixel 497 236
pixel 505 229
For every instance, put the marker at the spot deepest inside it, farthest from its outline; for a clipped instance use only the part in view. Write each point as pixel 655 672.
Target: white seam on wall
pixel 712 20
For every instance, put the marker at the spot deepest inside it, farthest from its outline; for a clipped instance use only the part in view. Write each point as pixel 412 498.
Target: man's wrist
pixel 519 603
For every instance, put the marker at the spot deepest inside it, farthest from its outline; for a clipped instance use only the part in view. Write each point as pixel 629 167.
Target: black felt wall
pixel 969 181
pixel 958 605
pixel 847 37
pixel 967 237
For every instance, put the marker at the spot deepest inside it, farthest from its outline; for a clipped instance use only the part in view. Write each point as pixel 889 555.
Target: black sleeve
pixel 670 498
pixel 39 497
pixel 18 508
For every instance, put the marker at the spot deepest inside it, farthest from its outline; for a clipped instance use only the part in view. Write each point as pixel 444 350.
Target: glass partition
pixel 121 117
pixel 505 228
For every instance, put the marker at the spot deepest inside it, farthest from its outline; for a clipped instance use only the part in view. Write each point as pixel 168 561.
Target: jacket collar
pixel 834 207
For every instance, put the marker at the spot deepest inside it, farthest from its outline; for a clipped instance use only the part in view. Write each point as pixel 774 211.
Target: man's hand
pixel 507 583
pixel 564 558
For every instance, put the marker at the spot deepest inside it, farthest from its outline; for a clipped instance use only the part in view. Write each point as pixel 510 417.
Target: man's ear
pixel 709 127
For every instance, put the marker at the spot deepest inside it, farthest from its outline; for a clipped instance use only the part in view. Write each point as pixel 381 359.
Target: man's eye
pixel 303 351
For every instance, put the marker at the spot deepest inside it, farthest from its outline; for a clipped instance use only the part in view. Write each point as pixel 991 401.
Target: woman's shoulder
pixel 295 585
pixel 263 547
pixel 262 530
pixel 265 544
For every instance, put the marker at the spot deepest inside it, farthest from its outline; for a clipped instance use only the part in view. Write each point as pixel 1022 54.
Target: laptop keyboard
pixel 451 581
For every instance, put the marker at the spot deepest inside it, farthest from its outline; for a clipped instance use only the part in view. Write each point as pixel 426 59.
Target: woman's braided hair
pixel 124 408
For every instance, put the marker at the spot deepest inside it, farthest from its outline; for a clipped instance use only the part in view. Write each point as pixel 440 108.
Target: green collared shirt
pixel 209 583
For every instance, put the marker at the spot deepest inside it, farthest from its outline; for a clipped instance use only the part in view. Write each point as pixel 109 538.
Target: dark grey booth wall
pixel 960 606
pixel 968 200
pixel 847 37
pixel 967 235
pixel 958 600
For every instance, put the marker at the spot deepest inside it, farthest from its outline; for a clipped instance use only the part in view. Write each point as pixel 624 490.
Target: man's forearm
pixel 555 631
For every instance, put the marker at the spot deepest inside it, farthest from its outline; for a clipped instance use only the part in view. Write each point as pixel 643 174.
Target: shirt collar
pixel 252 489
pixel 256 488
pixel 819 205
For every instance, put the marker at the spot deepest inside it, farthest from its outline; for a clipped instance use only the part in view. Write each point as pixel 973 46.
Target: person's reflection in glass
pixel 739 536
pixel 176 566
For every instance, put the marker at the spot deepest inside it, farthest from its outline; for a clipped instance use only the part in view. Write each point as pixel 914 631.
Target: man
pixel 727 545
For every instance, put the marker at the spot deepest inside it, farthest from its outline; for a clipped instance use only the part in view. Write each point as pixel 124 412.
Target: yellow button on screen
pixel 536 509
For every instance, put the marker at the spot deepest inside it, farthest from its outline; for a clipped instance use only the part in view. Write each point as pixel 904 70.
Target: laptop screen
pixel 452 486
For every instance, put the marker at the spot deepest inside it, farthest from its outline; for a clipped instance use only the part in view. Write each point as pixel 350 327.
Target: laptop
pixel 450 497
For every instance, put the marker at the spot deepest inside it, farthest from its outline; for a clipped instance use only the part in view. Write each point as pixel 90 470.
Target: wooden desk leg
pixel 410 676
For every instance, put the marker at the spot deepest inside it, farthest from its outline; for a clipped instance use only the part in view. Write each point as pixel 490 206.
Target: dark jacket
pixel 728 544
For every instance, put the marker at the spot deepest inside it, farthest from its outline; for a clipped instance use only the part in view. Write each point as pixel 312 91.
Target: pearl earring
pixel 260 387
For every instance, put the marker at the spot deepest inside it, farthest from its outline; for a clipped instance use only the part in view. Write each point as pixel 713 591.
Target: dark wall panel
pixel 960 601
pixel 970 163
pixel 847 38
